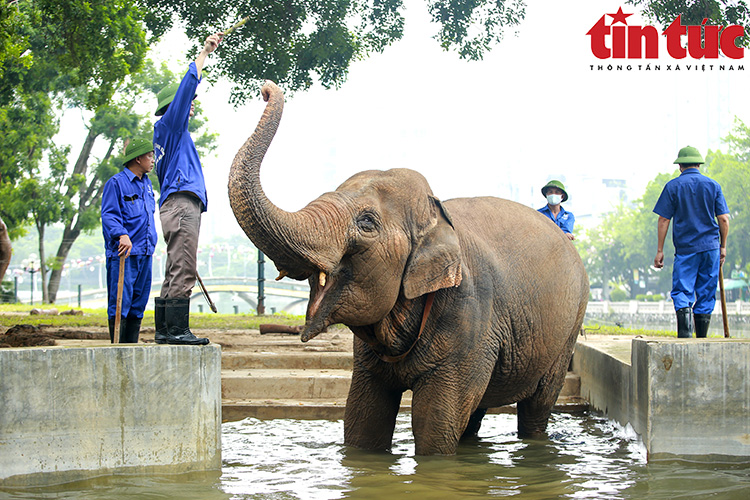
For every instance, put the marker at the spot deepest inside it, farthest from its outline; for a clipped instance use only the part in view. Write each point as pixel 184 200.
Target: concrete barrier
pixel 687 398
pixel 73 413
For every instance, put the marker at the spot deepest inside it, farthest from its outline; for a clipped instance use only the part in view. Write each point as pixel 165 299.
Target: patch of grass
pixel 17 314
pixel 598 329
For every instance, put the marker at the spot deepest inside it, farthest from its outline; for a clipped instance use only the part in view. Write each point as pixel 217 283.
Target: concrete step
pixel 333 409
pixel 285 384
pixel 287 360
pixel 572 385
pixel 312 383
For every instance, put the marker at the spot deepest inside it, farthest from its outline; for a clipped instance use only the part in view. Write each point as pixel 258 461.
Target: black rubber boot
pixel 112 328
pixel 685 323
pixel 177 314
pixel 701 325
pixel 160 336
pixel 129 334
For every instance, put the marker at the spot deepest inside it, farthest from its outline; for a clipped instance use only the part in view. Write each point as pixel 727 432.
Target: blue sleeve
pixel 721 207
pixel 569 223
pixel 112 220
pixel 178 112
pixel 664 205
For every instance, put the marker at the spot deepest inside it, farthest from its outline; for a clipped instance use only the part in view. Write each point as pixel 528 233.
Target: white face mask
pixel 554 199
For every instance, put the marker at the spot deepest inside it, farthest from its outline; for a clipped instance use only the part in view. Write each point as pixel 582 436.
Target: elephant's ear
pixel 435 261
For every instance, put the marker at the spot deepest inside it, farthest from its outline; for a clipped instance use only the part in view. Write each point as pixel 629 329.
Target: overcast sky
pixel 531 110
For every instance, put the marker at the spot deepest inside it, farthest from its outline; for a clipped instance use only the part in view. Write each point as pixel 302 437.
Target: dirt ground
pixel 338 339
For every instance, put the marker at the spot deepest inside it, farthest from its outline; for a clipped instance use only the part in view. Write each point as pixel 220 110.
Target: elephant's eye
pixel 366 222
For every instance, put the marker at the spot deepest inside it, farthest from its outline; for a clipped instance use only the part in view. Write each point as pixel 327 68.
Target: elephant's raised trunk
pixel 287 238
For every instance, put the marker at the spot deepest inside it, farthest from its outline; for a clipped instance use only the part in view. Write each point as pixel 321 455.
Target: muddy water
pixel 584 457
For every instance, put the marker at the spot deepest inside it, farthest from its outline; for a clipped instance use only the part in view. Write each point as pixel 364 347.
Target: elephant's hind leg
pixel 534 411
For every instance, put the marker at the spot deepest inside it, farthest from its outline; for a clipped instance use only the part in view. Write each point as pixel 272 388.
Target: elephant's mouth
pixel 323 295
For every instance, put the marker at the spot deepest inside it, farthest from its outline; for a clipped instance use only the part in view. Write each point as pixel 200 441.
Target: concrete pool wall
pixel 70 413
pixel 687 398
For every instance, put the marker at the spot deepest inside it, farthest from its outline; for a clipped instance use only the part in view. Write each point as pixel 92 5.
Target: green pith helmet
pixel 558 185
pixel 689 155
pixel 165 96
pixel 137 148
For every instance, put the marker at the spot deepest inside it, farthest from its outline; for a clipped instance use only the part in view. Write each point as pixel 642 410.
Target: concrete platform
pixel 74 413
pixel 686 398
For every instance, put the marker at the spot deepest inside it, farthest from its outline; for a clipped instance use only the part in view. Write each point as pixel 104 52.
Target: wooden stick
pixel 271 328
pixel 205 293
pixel 118 309
pixel 723 301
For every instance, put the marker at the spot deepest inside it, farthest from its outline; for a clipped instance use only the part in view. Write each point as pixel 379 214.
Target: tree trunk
pixel 42 267
pixel 69 236
pixel 88 195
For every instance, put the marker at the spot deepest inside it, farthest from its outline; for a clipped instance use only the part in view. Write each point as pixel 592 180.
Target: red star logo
pixel 619 17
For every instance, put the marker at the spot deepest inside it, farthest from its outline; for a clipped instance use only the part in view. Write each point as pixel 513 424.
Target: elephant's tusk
pixel 282 274
pixel 322 279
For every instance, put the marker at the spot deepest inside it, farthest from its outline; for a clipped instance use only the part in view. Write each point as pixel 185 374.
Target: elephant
pixel 470 303
pixel 6 250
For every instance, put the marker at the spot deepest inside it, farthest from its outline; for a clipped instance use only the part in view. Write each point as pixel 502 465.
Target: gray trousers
pixel 180 216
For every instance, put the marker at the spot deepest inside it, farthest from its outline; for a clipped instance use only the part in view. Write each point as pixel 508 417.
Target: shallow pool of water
pixel 585 457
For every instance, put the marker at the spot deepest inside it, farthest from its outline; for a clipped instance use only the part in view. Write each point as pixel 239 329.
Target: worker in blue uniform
pixel 554 192
pixel 128 208
pixel 182 201
pixel 699 233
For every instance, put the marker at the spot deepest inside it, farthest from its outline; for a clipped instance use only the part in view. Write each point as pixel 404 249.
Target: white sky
pixel 530 111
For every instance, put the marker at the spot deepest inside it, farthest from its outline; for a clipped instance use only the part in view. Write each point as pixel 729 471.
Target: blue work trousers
pixel 694 280
pixel 136 285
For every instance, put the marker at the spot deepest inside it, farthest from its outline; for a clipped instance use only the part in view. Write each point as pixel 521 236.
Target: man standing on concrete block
pixel 699 234
pixel 128 208
pixel 182 201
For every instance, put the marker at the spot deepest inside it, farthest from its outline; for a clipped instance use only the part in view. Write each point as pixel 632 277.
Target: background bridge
pixel 231 295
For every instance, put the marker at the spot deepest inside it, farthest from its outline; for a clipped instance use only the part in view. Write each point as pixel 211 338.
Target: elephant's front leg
pixel 441 408
pixel 371 411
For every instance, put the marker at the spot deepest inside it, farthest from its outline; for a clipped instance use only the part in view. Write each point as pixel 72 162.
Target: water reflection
pixel 584 457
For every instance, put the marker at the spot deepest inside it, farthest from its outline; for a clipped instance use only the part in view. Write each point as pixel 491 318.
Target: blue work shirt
pixel 564 220
pixel 177 162
pixel 128 207
pixel 693 201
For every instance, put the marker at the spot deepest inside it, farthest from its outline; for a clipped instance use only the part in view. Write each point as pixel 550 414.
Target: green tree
pixel 47 205
pixel 732 172
pixel 295 42
pixel 53 44
pixel 26 129
pixel 718 12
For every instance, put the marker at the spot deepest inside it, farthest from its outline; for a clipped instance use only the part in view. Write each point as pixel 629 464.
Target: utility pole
pixel 261 284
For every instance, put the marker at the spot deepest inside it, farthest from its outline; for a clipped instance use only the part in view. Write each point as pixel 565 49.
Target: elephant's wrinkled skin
pixel 6 251
pixel 510 295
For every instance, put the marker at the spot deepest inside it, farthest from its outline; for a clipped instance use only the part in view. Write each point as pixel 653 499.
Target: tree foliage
pixel 471 28
pixel 49 45
pixel 296 42
pixel 26 130
pixel 717 12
